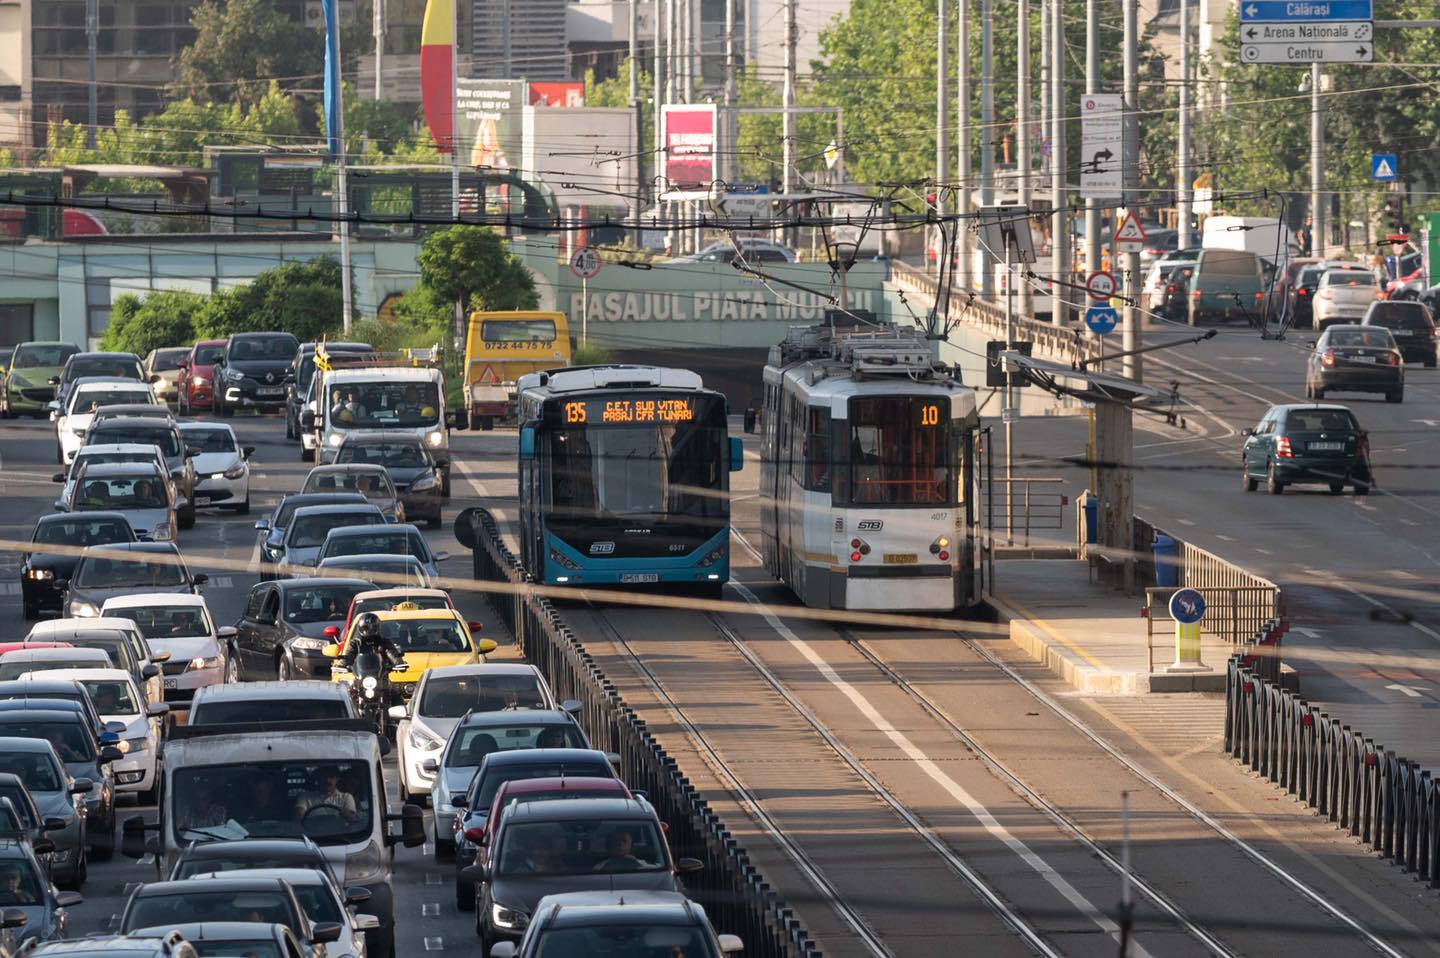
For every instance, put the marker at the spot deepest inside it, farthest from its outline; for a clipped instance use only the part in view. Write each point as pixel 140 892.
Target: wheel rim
pixel 232 669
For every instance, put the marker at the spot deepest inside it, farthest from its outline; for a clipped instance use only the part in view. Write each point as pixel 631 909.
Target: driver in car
pixel 327 793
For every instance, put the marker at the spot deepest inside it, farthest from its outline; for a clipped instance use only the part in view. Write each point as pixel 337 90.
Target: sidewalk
pixel 1090 635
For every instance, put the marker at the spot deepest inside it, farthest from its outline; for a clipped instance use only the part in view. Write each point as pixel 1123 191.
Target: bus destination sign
pixel 624 411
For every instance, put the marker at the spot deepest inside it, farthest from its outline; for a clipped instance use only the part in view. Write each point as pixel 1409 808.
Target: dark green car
pixel 1312 443
pixel 26 387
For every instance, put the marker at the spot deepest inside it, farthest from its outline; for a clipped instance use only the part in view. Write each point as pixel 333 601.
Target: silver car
pixel 138 491
pixel 34 762
pixel 125 569
pixel 371 480
pixel 324 904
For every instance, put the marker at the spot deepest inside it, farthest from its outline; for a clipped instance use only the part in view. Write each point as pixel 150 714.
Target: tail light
pixel 1379 294
pixel 1169 290
pixel 1302 291
pixel 474 834
pixel 1282 448
pixel 1327 358
pixel 1195 293
pixel 859 549
pixel 1258 297
pixel 940 548
pixel 1391 359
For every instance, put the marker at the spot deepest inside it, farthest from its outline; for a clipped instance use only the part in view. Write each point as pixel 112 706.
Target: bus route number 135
pixel 574 412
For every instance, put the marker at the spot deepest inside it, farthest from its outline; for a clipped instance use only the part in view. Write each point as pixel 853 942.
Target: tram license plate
pixel 638 577
pixel 899 558
pixel 1325 446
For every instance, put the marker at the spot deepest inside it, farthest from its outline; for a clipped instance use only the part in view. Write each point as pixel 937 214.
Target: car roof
pixel 295 876
pixel 217 930
pixel 36 684
pixel 28 710
pixel 1291 407
pixel 195 424
pixel 381 435
pixel 346 467
pixel 119 469
pixel 54 655
pixel 245 691
pixel 483 669
pixel 53 517
pixel 113 447
pixel 337 508
pixel 141 600
pixel 223 882
pixel 568 909
pixel 22 743
pixel 369 531
pixel 74 675
pixel 153 942
pixel 210 342
pixel 580 809
pixel 366 560
pixel 83 382
pixel 112 547
pixel 85 627
pixel 401 592
pixel 538 717
pixel 312 581
pixel 410 615
pixel 523 786
pixel 138 422
pixel 240 847
pixel 139 408
pixel 109 354
pixel 323 498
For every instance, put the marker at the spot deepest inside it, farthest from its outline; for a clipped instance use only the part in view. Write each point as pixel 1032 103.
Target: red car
pixel 196 381
pixel 22 646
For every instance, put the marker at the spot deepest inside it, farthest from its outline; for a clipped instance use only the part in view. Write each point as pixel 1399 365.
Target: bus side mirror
pixel 307 420
pixel 737 454
pixel 527 442
pixel 459 419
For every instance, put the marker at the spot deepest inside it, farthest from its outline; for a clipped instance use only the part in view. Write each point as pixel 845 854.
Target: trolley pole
pixel 1092 85
pixel 987 136
pixel 1022 135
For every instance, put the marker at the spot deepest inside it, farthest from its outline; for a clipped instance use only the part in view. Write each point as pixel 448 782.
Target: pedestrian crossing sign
pixel 1383 167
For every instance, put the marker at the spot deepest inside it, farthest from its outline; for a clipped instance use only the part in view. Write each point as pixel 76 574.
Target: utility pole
pixel 965 246
pixel 787 100
pixel 377 30
pixel 1130 330
pixel 732 94
pixel 987 135
pixel 1092 85
pixel 1184 175
pixel 1044 86
pixel 1022 141
pixel 1060 224
pixel 1318 206
pixel 92 40
pixel 636 108
pixel 942 131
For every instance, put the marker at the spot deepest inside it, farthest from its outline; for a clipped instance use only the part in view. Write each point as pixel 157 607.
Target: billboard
pixel 557 93
pixel 690 138
pixel 488 114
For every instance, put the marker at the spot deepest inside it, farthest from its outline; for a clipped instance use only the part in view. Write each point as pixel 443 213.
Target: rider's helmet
pixel 367 627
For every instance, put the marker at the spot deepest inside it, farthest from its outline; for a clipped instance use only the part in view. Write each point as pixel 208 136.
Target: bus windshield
pixel 375 405
pixel 900 451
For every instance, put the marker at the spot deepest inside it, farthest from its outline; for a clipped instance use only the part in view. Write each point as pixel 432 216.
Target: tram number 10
pixel 930 414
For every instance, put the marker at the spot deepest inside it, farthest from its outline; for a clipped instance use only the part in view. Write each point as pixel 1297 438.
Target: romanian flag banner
pixel 437 72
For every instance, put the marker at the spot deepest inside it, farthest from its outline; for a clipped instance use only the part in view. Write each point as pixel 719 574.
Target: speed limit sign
pixel 585 263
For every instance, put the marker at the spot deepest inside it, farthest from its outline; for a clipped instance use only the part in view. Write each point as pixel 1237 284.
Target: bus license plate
pixel 638 577
pixel 899 558
pixel 172 683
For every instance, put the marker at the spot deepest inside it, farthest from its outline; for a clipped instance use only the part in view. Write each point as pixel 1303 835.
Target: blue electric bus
pixel 625 478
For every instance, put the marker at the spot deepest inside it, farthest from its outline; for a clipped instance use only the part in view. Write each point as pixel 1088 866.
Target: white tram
pixel 868 481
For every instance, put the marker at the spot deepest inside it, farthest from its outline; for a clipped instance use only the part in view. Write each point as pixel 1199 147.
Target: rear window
pixel 1379 337
pixel 518 331
pixel 1396 315
pixel 1321 420
pixel 1226 262
pixel 268 710
pixel 469 746
pixel 1348 277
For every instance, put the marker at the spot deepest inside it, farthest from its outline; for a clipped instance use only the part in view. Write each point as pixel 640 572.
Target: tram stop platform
pixel 1093 636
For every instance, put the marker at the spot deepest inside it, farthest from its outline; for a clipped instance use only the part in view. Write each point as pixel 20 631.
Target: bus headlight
pixel 435 439
pixel 716 554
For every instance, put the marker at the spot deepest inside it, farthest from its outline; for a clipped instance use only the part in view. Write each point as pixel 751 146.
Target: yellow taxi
pixel 427 638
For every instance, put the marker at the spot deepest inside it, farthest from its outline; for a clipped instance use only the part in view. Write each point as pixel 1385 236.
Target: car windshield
pixel 451 696
pixel 517 331
pixel 33 356
pixel 19 800
pixel 88 399
pixel 371 485
pixel 118 431
pixel 427 635
pixel 120 367
pixel 396 571
pixel 117 648
pixel 35 769
pixel 1321 420
pixel 319 603
pixel 262 709
pixel 484 796
pixel 319 904
pixel 238 948
pixel 112 696
pixel 309 532
pixel 117 495
pixel 1380 336
pixel 329 802
pixel 1399 315
pixel 286 510
pixel 102 458
pixel 274 348
pixel 206 355
pixel 196 905
pixel 207 862
pixel 372 405
pixel 391 455
pixel 19 885
pixel 168 358
pixel 583 846
pixel 169 621
pixel 70 737
pixel 103 572
pixel 377 543
pixel 79 531
pixel 210 439
pixel 470 744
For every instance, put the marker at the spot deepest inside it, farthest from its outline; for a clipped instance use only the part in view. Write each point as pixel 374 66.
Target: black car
pixel 1410 323
pixel 272 527
pixel 254 372
pixel 39 570
pixel 419 478
pixel 80 365
pixel 34 826
pixel 27 887
pixel 1356 359
pixel 283 628
pixel 303 370
pixel 65 726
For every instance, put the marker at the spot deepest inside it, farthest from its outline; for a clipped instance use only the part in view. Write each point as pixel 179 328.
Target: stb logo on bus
pixel 870 525
pixel 602 548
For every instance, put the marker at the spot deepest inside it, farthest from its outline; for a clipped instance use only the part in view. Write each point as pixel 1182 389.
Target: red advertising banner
pixel 690 135
pixel 557 93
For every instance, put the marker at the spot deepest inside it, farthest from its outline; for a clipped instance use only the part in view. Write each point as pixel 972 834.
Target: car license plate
pixel 1325 446
pixel 271 390
pixel 1397 333
pixel 899 558
pixel 636 577
pixel 1362 359
pixel 172 683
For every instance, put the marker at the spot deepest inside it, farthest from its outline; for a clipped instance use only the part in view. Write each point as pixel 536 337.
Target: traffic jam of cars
pixel 277 769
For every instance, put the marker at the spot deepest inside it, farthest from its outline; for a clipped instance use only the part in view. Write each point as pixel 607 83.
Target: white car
pixel 118 699
pixel 443 697
pixel 90 393
pixel 323 902
pixel 178 623
pixel 107 453
pixel 66 630
pixel 222 467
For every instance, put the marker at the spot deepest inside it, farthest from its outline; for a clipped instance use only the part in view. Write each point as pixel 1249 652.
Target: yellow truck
pixel 500 347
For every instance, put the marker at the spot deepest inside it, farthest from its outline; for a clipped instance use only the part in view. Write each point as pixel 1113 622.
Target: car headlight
pixel 435 439
pixel 308 644
pixel 511 918
pixel 84 608
pixel 79 432
pixel 161 533
pixel 199 381
pixel 233 375
pixel 369 682
pixel 424 483
pixel 40 575
pixel 203 662
pixel 363 866
pixel 335 439
pixel 237 471
pixel 129 745
pixel 423 740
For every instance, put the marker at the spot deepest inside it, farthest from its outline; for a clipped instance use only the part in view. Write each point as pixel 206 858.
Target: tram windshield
pixel 900 451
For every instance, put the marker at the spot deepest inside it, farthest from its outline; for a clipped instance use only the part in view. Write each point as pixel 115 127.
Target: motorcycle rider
pixel 367 637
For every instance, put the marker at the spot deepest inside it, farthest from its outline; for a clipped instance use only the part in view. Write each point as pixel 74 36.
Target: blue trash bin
pixel 1092 520
pixel 1167 561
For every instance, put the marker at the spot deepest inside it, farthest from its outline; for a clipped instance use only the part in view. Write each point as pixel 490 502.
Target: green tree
pixel 302 298
pixel 615 92
pixel 162 318
pixel 473 265
pixel 240 46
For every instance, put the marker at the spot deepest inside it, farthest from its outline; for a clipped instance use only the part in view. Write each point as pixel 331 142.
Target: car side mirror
pixel 149 671
pixel 475 873
pixel 247 451
pixel 62 585
pixel 486 646
pixel 356 895
pixel 159 656
pixel 157 710
pixel 69 899
pixel 366 923
pixel 200 579
pixel 53 380
pixel 441 556
pixel 227 632
pixel 731 944
pixel 412 827
pixel 54 415
pixel 192 451
pixel 110 754
pixel 80 786
pixel 263 525
pixel 184 363
pixel 56 824
pixel 61 506
pixel 613 758
pixel 307 420
pixel 502 949
pixel 154 378
pixel 474 626
pixel 58 477
pixel 431 765
pixel 325 932
pixel 398 713
pixel 571 705
pixel 42 846
pixel 460 419
pixel 1310 343
pixel 1248 432
pixel 459 799
pixel 132 837
pixel 15 918
pixel 689 866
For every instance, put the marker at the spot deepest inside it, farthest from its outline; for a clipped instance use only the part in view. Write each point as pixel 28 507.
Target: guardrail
pixel 735 895
pixel 1261 637
pixel 1386 801
pixel 1020 506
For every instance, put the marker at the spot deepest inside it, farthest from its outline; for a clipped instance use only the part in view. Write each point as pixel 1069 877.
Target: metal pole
pixel 965 245
pixel 942 123
pixel 732 83
pixel 1044 85
pixel 458 332
pixel 987 135
pixel 1130 330
pixel 377 30
pixel 1008 412
pixel 342 201
pixel 1092 85
pixel 787 100
pixel 506 66
pixel 635 108
pixel 1184 197
pixel 1318 208
pixel 1060 224
pixel 92 40
pixel 1022 136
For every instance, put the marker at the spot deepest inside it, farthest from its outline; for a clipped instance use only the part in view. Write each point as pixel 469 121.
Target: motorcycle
pixel 370 687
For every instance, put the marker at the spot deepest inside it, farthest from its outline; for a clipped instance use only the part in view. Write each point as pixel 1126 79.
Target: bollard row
pixel 1385 801
pixel 732 890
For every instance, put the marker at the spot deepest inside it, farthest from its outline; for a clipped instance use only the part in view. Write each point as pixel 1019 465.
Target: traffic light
pixel 1395 214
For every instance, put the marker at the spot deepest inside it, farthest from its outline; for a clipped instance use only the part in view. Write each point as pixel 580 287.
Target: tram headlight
pixel 940 548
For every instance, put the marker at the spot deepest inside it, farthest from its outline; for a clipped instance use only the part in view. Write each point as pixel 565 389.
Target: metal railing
pixel 732 890
pixel 1256 601
pixel 1386 801
pixel 1237 614
pixel 1020 506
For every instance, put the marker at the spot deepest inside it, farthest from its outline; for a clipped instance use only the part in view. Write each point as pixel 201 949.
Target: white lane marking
pixel 435 944
pixel 1185 522
pixel 430 909
pixel 1224 538
pixel 1264 552
pixel 1413 691
pixel 1308 633
pixel 922 761
pixel 434 878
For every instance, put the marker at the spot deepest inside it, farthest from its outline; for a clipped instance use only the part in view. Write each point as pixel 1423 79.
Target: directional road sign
pixel 1383 167
pixel 1306 52
pixel 1102 143
pixel 1281 11
pixel 1187 606
pixel 1101 319
pixel 1100 284
pixel 1299 32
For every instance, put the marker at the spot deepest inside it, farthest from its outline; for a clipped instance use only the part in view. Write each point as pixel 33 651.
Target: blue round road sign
pixel 1187 606
pixel 1101 319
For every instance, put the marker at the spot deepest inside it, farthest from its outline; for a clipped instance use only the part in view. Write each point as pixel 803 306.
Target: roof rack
pixel 420 356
